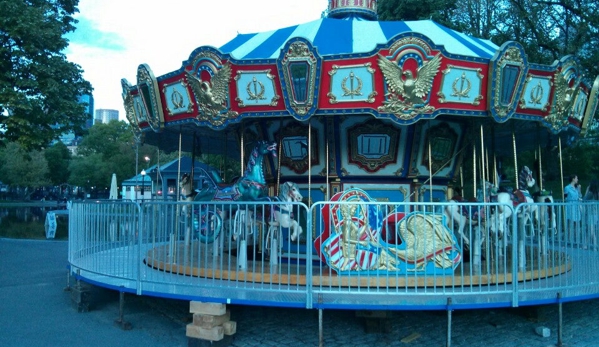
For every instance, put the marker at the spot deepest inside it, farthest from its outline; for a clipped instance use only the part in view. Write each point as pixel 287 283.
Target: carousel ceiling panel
pixel 351 36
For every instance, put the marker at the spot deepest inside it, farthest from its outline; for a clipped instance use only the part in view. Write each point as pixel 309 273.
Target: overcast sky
pixel 114 37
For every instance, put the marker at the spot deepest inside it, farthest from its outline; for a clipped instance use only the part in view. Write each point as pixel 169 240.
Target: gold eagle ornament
pixel 212 96
pixel 411 89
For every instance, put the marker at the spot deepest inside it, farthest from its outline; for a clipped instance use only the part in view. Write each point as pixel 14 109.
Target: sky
pixel 114 37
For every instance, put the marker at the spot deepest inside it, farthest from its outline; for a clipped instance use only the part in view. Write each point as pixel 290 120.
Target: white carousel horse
pixel 187 192
pixel 282 218
pixel 457 213
pixel 283 213
pixel 527 214
pixel 547 214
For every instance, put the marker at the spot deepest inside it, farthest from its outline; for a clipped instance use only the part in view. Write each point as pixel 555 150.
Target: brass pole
pixel 540 170
pixel 561 166
pixel 483 159
pixel 242 148
pixel 515 159
pixel 309 161
pixel 327 168
pixel 430 172
pixel 474 169
pixel 279 158
pixel 495 173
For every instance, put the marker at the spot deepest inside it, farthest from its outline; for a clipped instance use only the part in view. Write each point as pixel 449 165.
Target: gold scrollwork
pixel 536 94
pixel 564 95
pixel 177 99
pixel 464 87
pixel 403 190
pixel 258 92
pixel 351 91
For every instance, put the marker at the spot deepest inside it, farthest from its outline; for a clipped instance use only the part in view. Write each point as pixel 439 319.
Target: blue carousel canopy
pixel 353 35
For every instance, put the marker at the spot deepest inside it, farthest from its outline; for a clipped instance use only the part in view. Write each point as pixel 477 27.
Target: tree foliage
pixel 23 168
pixel 39 88
pixel 107 149
pixel 547 29
pixel 58 157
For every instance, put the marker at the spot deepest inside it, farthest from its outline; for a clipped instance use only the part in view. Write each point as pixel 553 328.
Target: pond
pixel 27 220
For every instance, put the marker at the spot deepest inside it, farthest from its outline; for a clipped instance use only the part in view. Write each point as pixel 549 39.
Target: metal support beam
pixel 120 322
pixel 448 342
pixel 559 320
pixel 320 334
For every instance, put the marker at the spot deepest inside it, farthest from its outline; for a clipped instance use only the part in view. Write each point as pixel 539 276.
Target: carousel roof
pixel 351 64
pixel 354 35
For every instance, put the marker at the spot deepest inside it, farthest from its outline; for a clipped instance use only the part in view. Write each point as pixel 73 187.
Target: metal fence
pixel 244 253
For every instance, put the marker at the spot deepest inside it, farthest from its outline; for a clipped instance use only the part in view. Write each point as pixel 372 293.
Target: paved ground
pixel 36 311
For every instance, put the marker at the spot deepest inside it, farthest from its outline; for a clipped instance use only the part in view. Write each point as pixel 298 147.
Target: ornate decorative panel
pixel 591 107
pixel 461 85
pixel 536 93
pixel 256 88
pixel 150 95
pixel 300 67
pixel 294 147
pixel 129 107
pixel 409 73
pixel 508 70
pixel 566 82
pixel 372 145
pixel 209 82
pixel 352 83
pixel 178 99
pixel 442 141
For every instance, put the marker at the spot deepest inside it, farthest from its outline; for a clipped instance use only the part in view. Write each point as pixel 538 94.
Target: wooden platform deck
pixel 198 260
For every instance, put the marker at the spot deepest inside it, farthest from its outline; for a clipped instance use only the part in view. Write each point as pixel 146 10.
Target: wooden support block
pixel 211 308
pixel 230 327
pixel 208 321
pixel 214 334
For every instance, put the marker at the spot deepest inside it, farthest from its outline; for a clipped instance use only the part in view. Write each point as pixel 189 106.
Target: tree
pixel 58 157
pixel 23 168
pixel 107 149
pixel 39 88
pixel 441 11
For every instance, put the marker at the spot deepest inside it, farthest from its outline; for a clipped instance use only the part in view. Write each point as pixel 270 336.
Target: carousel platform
pixel 198 260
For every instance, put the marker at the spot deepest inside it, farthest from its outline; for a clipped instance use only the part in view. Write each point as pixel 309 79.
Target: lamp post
pixel 143 182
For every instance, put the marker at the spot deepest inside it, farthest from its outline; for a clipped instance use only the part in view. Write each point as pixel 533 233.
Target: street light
pixel 143 182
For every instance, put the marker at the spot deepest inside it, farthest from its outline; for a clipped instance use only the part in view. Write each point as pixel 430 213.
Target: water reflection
pixel 27 221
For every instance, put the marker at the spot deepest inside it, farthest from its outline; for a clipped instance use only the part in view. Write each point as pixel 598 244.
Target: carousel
pixel 354 135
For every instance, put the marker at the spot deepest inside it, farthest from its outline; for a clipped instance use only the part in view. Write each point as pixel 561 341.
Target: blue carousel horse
pixel 251 186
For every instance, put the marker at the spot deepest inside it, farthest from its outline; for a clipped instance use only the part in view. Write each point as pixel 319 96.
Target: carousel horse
pixel 249 187
pixel 282 218
pixel 460 214
pixel 187 192
pixel 526 216
pixel 206 222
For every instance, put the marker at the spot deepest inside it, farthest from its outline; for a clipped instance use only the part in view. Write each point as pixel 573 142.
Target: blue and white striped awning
pixel 345 36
